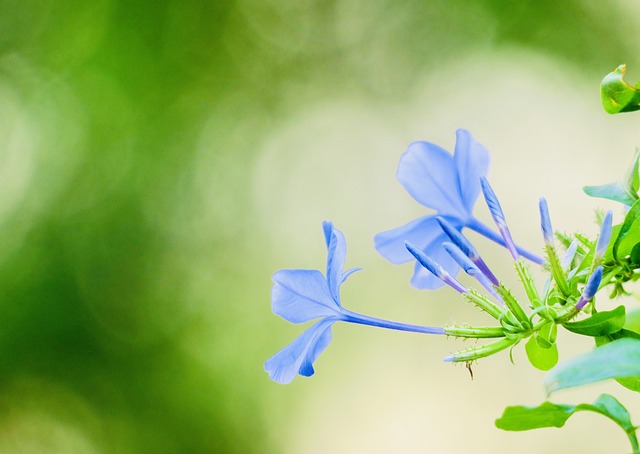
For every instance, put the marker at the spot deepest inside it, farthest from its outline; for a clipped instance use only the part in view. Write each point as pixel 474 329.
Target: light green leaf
pixel 548 414
pixel 617 95
pixel 625 190
pixel 616 191
pixel 544 356
pixel 618 359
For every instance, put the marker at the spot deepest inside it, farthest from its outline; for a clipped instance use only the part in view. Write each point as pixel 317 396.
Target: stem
pixel 634 442
pixel 353 317
pixel 477 226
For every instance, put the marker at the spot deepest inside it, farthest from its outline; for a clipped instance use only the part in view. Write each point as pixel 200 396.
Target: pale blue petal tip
pixel 605 234
pixel 545 222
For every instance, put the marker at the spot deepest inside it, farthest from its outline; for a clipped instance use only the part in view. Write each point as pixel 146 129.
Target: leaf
pixel 630 330
pixel 617 95
pixel 618 359
pixel 625 190
pixel 634 255
pixel 628 237
pixel 540 357
pixel 633 321
pixel 599 324
pixel 616 191
pixel 518 418
pixel 548 414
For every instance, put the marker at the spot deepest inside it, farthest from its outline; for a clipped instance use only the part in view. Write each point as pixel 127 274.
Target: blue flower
pixel 450 185
pixel 447 184
pixel 300 296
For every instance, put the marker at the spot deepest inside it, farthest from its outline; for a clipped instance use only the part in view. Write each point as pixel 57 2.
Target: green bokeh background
pixel 159 160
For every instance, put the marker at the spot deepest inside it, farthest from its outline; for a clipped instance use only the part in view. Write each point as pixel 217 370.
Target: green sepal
pixel 528 283
pixel 624 191
pixel 599 324
pixel 548 414
pixel 618 359
pixel 481 332
pixel 557 272
pixel 514 306
pixel 617 95
pixel 482 351
pixel 542 354
pixel 484 303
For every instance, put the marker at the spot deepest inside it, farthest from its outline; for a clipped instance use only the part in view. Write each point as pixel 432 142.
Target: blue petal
pixel 336 256
pixel 299 296
pixel 421 232
pixel 429 174
pixel 422 278
pixel 299 355
pixel 472 162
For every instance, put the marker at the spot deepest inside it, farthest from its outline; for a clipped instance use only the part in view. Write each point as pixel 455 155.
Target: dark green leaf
pixel 599 324
pixel 634 255
pixel 617 95
pixel 618 359
pixel 632 236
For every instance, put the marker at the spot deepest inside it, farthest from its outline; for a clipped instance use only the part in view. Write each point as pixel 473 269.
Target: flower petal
pixel 472 162
pixel 336 256
pixel 298 357
pixel 422 278
pixel 429 174
pixel 420 232
pixel 302 295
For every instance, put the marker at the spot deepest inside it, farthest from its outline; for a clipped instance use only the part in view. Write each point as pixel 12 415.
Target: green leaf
pixel 632 177
pixel 518 418
pixel 540 357
pixel 617 95
pixel 616 191
pixel 618 359
pixel 599 324
pixel 634 255
pixel 548 414
pixel 625 190
pixel 630 330
pixel 546 337
pixel 628 237
pixel 633 321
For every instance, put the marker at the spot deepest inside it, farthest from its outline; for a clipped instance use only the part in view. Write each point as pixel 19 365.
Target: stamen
pixel 467 248
pixel 435 268
pixel 471 269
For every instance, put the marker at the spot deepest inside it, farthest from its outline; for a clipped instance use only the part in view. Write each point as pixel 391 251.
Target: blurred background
pixel 160 160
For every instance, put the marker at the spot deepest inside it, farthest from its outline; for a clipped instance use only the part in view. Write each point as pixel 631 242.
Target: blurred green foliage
pixel 127 133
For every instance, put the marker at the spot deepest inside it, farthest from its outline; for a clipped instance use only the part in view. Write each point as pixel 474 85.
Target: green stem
pixel 633 439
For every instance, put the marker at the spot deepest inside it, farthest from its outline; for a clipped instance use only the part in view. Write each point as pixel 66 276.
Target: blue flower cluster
pixel 450 185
